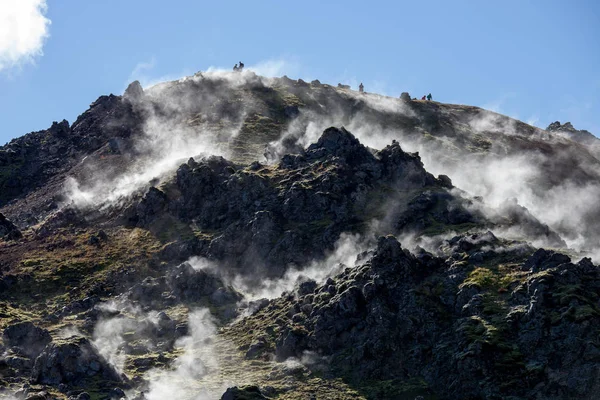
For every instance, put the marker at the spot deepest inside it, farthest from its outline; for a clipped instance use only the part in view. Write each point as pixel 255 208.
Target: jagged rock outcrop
pixel 34 167
pixel 72 362
pixel 8 231
pixel 26 338
pixel 468 331
pixel 134 92
pixel 185 285
pixel 320 193
pixel 568 131
pixel 404 96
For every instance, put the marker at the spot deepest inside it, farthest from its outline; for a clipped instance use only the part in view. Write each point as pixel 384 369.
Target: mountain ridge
pixel 229 225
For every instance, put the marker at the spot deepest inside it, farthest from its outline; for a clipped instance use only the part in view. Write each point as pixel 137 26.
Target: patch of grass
pixel 59 269
pixel 565 294
pixel 492 277
pixel 168 228
pixel 483 278
pixel 10 314
pixel 477 330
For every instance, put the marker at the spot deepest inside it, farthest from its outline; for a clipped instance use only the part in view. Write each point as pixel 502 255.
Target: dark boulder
pixel 27 338
pixel 60 129
pixel 445 181
pixel 543 259
pixel 134 91
pixel 8 231
pixel 404 96
pixel 151 206
pixel 243 393
pixel 72 362
pixel 340 143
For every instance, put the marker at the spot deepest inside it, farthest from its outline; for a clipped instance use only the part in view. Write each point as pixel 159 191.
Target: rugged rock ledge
pixel 491 324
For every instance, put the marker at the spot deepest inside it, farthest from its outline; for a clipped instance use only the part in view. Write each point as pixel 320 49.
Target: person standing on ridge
pixel 429 97
pixel 361 88
pixel 241 67
pixel 235 67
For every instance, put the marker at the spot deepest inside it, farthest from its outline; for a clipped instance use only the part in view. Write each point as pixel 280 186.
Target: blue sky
pixel 538 61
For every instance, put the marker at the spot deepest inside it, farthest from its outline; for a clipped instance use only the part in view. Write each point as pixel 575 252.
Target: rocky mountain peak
pixel 557 126
pixel 339 142
pixel 231 229
pixel 582 136
pixel 60 128
pixel 134 91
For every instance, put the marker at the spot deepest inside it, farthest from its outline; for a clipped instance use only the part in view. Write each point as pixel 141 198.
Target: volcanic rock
pixel 72 362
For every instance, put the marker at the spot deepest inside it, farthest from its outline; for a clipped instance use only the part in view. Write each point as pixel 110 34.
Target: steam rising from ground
pixel 198 354
pixel 171 135
pixel 345 253
pixel 108 333
pixel 496 175
pixel 198 359
pixel 6 395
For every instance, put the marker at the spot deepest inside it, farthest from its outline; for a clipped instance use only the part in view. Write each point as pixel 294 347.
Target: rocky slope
pixel 137 246
pixel 479 324
pixel 567 130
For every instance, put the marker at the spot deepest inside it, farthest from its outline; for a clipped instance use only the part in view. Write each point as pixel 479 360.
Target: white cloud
pixel 23 30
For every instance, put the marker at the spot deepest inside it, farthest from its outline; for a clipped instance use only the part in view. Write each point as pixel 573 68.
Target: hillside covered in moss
pixel 232 236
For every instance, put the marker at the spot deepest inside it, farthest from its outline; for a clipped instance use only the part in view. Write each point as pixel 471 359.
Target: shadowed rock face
pixel 72 363
pixel 395 316
pixel 321 193
pixel 581 136
pixel 8 230
pixel 400 316
pixel 27 338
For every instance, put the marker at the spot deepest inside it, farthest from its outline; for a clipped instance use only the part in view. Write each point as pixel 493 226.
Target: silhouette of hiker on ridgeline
pixel 241 67
pixel 361 88
pixel 424 97
pixel 235 67
pixel 429 97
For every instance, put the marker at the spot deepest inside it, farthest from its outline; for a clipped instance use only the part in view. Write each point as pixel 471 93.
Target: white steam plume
pixel 199 359
pixel 346 250
pixel 168 141
pixel 498 174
